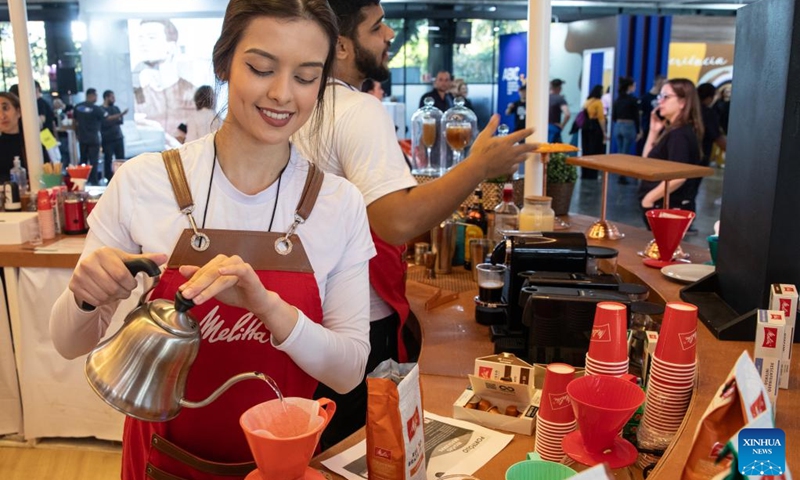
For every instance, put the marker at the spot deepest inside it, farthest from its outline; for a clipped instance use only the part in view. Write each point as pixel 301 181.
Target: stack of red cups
pixel 608 347
pixel 671 378
pixel 555 418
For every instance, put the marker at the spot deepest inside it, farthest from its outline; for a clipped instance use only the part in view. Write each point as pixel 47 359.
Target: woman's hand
pixel 102 276
pixel 656 122
pixel 228 279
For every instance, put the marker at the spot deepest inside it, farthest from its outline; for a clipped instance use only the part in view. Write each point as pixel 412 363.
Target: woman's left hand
pixel 228 279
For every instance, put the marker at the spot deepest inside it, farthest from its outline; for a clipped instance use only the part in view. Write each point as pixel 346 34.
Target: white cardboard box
pixel 650 342
pixel 504 367
pixel 770 326
pixel 15 227
pixel 783 297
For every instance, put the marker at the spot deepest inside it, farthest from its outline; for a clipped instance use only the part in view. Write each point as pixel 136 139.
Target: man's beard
pixel 368 65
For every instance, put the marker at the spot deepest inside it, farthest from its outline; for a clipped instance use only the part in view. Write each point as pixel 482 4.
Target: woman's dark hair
pixel 240 13
pixel 204 98
pixel 624 84
pixel 596 92
pixel 690 114
pixel 368 85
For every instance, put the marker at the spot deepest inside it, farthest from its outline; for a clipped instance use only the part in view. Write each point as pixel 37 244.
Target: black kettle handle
pixel 135 266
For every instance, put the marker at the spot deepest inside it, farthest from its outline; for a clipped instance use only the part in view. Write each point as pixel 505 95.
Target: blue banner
pixel 513 67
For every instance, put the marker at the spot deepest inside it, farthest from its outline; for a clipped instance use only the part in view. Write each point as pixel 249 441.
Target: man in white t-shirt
pixel 357 141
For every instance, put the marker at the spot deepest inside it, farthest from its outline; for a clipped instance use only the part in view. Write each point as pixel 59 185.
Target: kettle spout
pixel 228 384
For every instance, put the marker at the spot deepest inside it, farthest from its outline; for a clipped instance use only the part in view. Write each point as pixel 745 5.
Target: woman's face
pixel 9 117
pixel 463 90
pixel 274 77
pixel 669 104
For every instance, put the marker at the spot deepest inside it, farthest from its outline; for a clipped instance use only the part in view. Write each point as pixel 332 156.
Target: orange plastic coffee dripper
pixel 602 405
pixel 668 226
pixel 280 439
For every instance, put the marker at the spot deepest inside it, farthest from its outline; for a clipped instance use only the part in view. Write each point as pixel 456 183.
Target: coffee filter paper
pixel 271 420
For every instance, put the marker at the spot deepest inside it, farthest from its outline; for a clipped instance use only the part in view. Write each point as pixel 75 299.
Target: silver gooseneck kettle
pixel 142 369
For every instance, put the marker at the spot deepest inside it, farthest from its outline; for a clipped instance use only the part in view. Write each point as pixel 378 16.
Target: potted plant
pixel 561 178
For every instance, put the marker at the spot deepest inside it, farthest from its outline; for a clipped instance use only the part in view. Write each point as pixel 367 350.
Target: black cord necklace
pixel 211 181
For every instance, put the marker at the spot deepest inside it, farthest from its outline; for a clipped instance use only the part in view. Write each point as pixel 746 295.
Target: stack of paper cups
pixel 608 347
pixel 672 376
pixel 555 418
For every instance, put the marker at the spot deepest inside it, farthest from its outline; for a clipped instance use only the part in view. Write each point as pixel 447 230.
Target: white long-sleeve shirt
pixel 138 213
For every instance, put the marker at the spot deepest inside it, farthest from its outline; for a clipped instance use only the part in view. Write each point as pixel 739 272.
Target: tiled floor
pixel 623 206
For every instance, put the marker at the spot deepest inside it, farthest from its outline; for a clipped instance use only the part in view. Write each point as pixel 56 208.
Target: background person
pixel 89 118
pixel 647 104
pixel 712 129
pixel 593 132
pixel 373 88
pixel 461 89
pixel 204 120
pixel 518 109
pixel 558 113
pixel 676 133
pixel 111 133
pixel 301 325
pixel 442 98
pixel 625 116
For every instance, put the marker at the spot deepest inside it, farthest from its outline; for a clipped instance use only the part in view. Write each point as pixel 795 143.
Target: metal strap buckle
pixel 283 245
pixel 199 241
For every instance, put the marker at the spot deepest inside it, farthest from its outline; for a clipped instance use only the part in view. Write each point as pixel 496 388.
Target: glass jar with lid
pixel 459 128
pixel 426 143
pixel 537 215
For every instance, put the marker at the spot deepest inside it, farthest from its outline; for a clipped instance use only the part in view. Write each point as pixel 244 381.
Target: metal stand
pixel 603 228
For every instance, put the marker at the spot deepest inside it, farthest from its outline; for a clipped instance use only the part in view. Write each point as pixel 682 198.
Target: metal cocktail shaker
pixel 443 240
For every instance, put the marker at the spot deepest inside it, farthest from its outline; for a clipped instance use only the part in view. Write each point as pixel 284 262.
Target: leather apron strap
pixel 214 468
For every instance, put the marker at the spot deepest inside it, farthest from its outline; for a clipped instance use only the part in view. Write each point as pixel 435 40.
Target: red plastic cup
pixel 668 226
pixel 602 406
pixel 677 342
pixel 555 406
pixel 609 342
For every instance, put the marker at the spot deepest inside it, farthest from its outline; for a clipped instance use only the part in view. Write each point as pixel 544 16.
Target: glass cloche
pixel 427 149
pixel 459 128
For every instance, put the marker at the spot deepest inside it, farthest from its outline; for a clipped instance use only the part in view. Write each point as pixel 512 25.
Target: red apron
pixel 201 443
pixel 387 275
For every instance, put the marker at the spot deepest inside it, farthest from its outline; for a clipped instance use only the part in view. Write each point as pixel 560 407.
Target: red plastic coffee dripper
pixel 283 437
pixel 668 226
pixel 602 406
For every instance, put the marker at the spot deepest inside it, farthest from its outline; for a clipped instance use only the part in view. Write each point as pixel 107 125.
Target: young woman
pixel 676 132
pixel 12 143
pixel 300 314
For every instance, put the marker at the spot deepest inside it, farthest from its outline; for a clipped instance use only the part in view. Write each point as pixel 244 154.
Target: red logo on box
pixel 789 288
pixel 770 337
pixel 786 306
pixel 413 424
pixel 688 339
pixel 383 453
pixel 759 406
pixel 557 402
pixel 601 333
pixel 485 372
pixel 774 316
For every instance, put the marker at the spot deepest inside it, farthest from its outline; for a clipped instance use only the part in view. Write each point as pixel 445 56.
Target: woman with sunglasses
pixel 676 131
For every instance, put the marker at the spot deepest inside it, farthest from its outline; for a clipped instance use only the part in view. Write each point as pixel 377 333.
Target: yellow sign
pixel 701 62
pixel 48 140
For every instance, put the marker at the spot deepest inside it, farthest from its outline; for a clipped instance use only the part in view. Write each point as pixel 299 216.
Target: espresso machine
pixel 546 286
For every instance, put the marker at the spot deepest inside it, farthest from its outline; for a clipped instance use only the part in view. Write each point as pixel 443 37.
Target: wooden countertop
pixel 640 167
pixel 452 340
pixel 25 256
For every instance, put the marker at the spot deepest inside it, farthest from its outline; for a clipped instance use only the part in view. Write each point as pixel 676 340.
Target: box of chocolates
pixel 783 297
pixel 498 404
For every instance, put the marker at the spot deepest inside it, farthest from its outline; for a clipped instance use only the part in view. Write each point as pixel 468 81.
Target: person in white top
pixel 359 143
pixel 205 119
pixel 299 320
